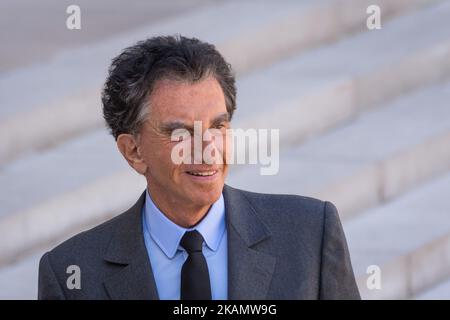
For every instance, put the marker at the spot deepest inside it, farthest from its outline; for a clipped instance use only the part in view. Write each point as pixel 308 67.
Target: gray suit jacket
pixel 279 247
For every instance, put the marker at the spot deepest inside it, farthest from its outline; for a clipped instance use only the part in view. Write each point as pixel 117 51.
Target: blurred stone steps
pixel 371 159
pixel 311 92
pixel 52 194
pixel 408 239
pixel 19 281
pixel 63 190
pixel 46 104
pixel 438 292
pixel 80 178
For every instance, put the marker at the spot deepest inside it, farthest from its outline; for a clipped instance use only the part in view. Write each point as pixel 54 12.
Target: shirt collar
pixel 168 234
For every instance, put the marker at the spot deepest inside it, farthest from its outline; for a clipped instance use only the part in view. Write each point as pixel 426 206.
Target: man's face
pixel 176 105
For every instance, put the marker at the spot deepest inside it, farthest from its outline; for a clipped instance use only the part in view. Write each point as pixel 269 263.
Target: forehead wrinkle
pixel 186 89
pixel 175 124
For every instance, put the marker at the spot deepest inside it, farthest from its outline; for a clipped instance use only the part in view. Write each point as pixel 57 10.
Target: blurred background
pixel 364 119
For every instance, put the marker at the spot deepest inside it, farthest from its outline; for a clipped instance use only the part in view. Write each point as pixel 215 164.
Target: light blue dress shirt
pixel 162 240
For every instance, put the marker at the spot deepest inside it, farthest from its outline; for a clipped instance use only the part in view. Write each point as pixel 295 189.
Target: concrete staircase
pixel 364 122
pixel 439 292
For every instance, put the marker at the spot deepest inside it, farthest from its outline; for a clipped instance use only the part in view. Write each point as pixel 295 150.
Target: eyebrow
pixel 169 127
pixel 223 117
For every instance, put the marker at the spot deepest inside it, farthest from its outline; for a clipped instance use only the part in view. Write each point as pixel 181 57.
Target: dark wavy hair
pixel 133 74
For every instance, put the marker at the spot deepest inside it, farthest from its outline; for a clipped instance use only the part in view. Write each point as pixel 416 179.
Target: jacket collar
pixel 249 270
pixel 135 280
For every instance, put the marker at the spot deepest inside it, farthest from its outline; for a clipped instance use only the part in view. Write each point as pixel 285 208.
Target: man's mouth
pixel 202 173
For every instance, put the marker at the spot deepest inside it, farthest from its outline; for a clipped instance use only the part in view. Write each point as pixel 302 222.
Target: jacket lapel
pixel 249 270
pixel 134 278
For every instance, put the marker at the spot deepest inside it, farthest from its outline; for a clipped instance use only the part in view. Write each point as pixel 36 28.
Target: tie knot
pixel 192 241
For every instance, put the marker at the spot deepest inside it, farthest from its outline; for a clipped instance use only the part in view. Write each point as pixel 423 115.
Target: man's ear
pixel 129 148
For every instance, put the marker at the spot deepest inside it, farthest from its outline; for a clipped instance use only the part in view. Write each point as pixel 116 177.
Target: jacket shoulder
pixel 287 205
pixel 84 248
pixel 91 244
pixel 293 216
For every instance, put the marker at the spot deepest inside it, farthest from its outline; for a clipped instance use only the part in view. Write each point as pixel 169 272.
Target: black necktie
pixel 194 273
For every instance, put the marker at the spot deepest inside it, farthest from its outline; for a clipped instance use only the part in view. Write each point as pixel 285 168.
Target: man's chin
pixel 203 197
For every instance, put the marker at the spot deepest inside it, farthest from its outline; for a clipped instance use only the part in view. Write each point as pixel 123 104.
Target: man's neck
pixel 182 214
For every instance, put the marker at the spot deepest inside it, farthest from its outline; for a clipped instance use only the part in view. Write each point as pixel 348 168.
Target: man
pixel 190 236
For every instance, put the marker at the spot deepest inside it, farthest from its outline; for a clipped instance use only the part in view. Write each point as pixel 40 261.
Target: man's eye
pixel 183 138
pixel 220 126
pixel 176 138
